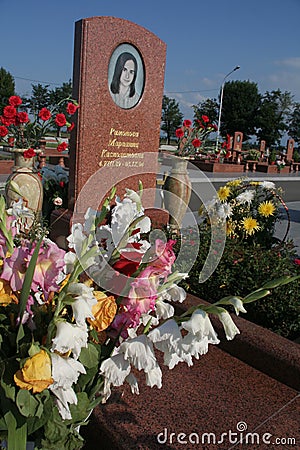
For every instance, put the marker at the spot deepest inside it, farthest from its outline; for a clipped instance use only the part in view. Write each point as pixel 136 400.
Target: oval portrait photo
pixel 126 76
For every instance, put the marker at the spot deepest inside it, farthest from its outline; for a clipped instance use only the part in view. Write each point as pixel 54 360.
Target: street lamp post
pixel 221 103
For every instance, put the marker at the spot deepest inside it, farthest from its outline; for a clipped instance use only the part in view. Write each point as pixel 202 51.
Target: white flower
pixel 167 338
pixel 82 310
pixel 230 328
pixel 163 310
pixel 174 293
pixel 154 377
pixel 70 259
pixel 132 381
pixel 200 325
pixel 76 238
pixel 139 352
pixel 65 372
pixel 194 345
pixel 115 369
pixel 227 210
pixel 70 337
pixel 267 185
pixel 64 397
pixel 238 305
pixel 245 197
pixel 58 201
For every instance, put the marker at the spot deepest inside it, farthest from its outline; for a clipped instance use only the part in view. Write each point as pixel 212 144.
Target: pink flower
pixel 57 201
pixel 165 255
pixel 49 264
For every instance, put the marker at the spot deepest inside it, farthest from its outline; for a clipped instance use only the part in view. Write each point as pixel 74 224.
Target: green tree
pixel 7 87
pixel 294 125
pixel 272 120
pixel 39 99
pixel 209 108
pixel 241 103
pixel 60 93
pixel 171 117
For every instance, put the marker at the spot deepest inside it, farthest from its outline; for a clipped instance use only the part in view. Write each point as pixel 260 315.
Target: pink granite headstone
pixel 290 149
pixel 118 80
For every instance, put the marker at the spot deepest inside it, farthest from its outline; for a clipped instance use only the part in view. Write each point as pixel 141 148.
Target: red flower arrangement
pixel 191 140
pixel 18 131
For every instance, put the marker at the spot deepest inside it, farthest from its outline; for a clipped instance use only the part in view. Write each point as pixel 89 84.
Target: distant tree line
pixel 265 116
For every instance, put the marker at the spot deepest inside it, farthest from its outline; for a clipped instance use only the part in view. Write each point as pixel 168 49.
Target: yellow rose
pixel 104 311
pixel 6 293
pixel 36 373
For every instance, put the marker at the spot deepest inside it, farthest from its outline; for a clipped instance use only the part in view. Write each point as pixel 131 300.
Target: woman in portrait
pixel 122 87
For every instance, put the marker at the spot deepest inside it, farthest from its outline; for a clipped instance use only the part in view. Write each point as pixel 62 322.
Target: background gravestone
pixel 290 149
pixel 112 135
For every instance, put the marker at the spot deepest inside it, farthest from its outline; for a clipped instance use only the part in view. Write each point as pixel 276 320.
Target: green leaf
pixel 27 286
pixel 280 281
pixel 17 436
pixel 10 391
pixel 89 356
pixel 256 295
pixel 26 403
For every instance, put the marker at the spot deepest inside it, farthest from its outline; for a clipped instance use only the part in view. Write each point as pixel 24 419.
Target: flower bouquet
pixel 249 208
pixel 17 131
pixel 74 324
pixel 191 140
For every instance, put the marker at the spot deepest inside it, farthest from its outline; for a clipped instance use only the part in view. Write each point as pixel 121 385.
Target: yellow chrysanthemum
pixel 255 183
pixel 266 208
pixel 234 183
pixel 230 228
pixel 250 225
pixel 104 311
pixel 36 373
pixel 223 193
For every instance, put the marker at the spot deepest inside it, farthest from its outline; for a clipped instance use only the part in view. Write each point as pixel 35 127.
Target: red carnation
pixel 61 147
pixel 9 112
pixel 205 119
pixel 44 114
pixel 70 128
pixel 22 117
pixel 196 143
pixel 179 133
pixel 30 153
pixel 14 100
pixel 297 261
pixel 71 108
pixel 5 121
pixel 3 131
pixel 187 123
pixel 60 120
pixel 62 184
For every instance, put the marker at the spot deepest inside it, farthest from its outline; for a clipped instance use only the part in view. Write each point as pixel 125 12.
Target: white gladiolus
pixel 70 337
pixel 200 325
pixel 230 328
pixel 163 310
pixel 65 372
pixel 115 369
pixel 238 305
pixel 139 352
pixel 154 377
pixel 132 381
pixel 82 311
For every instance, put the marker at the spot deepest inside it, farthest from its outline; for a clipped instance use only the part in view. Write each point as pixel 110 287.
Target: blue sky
pixel 205 40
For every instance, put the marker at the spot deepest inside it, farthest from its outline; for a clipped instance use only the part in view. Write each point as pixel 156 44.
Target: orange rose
pixel 104 311
pixel 36 373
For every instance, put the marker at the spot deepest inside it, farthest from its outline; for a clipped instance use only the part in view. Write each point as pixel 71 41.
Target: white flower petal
pixel 115 369
pixel 230 328
pixel 139 352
